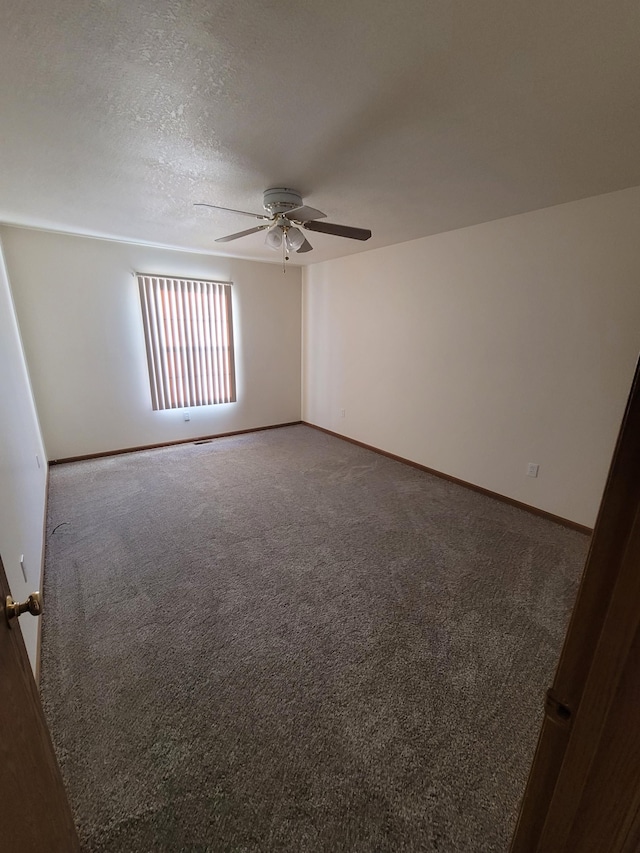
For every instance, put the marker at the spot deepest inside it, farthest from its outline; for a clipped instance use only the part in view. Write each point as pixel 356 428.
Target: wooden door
pixel 583 793
pixel 36 817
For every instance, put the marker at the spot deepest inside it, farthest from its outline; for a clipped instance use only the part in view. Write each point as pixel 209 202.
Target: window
pixel 188 331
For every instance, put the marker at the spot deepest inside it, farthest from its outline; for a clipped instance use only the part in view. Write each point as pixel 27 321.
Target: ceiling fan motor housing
pixel 280 200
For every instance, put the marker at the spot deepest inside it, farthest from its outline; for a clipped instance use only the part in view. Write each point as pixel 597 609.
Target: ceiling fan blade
pixel 338 230
pixel 306 247
pixel 305 214
pixel 231 210
pixel 241 234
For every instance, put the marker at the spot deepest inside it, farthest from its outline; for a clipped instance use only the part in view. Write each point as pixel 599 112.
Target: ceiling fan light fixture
pixel 273 238
pixel 295 238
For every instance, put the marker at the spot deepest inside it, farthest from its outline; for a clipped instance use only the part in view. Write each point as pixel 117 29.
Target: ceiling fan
pixel 285 214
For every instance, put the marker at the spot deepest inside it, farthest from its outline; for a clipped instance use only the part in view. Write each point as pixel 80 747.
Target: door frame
pixel 585 726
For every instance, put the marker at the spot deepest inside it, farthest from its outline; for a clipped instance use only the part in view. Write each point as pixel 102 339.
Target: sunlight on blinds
pixel 188 331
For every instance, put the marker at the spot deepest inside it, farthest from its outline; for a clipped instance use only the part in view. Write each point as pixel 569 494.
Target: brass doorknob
pixel 33 605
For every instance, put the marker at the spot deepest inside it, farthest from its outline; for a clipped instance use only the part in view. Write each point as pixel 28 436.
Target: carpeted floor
pixel 283 642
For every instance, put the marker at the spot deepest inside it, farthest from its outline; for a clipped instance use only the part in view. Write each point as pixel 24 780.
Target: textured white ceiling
pixel 409 118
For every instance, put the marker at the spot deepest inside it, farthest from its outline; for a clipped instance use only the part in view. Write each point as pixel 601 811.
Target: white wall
pixel 79 314
pixel 477 351
pixel 22 480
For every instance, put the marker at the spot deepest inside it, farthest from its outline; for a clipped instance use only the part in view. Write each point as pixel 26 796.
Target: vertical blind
pixel 188 331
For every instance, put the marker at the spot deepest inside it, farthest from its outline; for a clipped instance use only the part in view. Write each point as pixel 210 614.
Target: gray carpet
pixel 283 642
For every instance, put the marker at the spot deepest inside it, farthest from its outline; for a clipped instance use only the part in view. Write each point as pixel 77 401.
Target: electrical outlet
pixel 187 416
pixel 532 469
pixel 343 413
